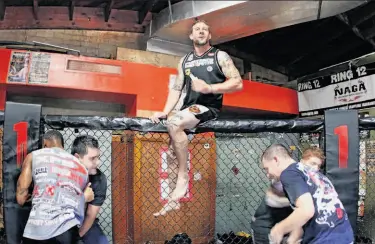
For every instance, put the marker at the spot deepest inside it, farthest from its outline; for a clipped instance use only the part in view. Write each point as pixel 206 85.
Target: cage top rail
pixel 145 125
pixel 220 125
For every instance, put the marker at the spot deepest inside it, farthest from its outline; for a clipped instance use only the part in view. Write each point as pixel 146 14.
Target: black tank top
pixel 205 67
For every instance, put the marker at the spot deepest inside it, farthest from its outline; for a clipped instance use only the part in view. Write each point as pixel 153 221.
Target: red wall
pixel 139 86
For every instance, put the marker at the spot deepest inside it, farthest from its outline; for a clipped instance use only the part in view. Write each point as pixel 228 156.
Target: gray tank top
pixel 58 200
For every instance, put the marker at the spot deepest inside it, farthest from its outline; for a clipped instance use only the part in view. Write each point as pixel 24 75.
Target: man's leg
pixel 179 122
pixel 172 177
pixel 95 235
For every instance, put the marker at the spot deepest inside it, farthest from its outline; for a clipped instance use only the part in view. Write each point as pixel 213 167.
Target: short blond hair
pixel 313 152
pixel 197 21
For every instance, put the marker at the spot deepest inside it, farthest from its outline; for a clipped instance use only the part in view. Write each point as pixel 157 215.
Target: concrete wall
pixel 91 43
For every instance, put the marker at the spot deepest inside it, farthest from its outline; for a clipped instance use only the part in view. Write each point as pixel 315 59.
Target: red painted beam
pixel 140 86
pixel 58 18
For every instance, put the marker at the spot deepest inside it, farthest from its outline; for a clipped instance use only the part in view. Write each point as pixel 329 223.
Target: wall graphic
pixel 19 67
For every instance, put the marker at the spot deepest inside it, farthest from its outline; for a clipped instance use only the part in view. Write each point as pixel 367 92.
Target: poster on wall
pixel 39 68
pixel 341 87
pixel 19 66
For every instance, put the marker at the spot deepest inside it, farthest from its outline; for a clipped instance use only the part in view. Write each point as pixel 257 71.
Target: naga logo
pixel 350 93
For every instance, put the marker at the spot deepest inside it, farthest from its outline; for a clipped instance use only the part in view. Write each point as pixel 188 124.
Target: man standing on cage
pixel 315 202
pixel 207 73
pixel 86 149
pixel 59 193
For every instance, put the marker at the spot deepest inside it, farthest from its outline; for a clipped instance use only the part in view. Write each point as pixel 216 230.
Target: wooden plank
pixel 146 57
pixel 197 215
pixel 122 192
pixel 71 9
pixel 108 10
pixel 58 18
pixel 35 9
pixel 2 9
pixel 145 10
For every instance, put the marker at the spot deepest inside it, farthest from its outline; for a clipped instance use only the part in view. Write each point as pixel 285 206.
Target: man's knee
pixel 175 124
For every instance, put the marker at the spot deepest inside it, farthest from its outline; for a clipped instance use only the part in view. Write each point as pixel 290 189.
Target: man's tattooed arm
pixel 24 181
pixel 175 91
pixel 179 83
pixel 234 81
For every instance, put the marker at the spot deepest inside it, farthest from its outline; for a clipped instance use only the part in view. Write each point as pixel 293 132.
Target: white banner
pixel 342 90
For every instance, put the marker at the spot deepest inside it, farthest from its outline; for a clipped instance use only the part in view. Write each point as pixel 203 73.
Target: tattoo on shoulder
pixel 224 57
pixel 227 65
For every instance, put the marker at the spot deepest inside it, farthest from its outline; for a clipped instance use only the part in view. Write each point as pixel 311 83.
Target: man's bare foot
pixel 169 206
pixel 181 188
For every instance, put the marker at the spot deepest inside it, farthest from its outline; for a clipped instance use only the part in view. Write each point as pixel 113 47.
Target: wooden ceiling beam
pixel 71 9
pixel 35 9
pixel 147 7
pixel 2 9
pixel 108 10
pixel 57 18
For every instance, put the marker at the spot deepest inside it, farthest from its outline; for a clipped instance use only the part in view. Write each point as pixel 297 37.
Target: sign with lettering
pixel 337 89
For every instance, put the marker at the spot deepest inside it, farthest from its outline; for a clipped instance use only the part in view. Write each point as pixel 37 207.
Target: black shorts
pixel 70 236
pixel 202 113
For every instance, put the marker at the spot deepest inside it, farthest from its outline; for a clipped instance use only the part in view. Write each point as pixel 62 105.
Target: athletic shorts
pixel 202 113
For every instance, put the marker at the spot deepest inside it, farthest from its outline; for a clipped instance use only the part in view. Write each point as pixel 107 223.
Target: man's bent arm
pixel 175 91
pixel 234 81
pixel 276 201
pixel 91 213
pixel 24 181
pixel 303 212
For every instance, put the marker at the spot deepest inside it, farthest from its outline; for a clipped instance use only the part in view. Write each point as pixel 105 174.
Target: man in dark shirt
pixel 86 148
pixel 273 209
pixel 315 202
pixel 207 73
pixel 275 206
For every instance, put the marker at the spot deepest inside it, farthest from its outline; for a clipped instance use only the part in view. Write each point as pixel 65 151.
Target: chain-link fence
pixel 366 203
pixel 226 183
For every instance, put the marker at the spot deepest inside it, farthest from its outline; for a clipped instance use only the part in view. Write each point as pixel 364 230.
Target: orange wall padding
pixel 139 86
